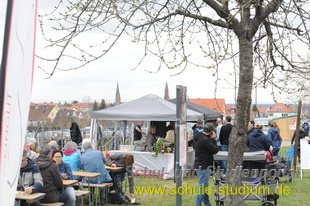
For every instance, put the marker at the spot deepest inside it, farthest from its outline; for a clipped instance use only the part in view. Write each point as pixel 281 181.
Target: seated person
pixel 126 161
pixel 53 145
pixel 169 137
pixel 171 126
pixel 94 161
pixel 257 141
pixel 150 138
pixel 72 157
pixel 66 174
pixel 30 178
pixel 29 143
pixel 51 178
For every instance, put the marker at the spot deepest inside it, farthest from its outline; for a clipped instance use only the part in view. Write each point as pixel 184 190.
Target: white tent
pixel 147 108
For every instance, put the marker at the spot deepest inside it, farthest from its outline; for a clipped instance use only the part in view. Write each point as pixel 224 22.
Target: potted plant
pixel 157 147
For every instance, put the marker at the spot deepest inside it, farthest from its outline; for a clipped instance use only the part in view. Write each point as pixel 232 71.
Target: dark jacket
pixel 65 168
pixel 75 133
pixel 258 141
pixel 274 137
pixel 205 148
pixel 302 135
pixel 118 159
pixel 51 178
pixel 30 174
pixel 251 130
pixel 224 134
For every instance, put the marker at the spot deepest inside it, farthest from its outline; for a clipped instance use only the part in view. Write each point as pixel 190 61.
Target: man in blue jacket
pixel 94 161
pixel 30 180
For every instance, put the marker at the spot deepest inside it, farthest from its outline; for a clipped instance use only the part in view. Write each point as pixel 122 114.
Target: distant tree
pixel 255 109
pixel 95 106
pixel 86 99
pixel 75 101
pixel 111 104
pixel 102 104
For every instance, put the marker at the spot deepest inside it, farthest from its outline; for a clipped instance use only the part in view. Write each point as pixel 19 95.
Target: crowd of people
pixel 208 140
pixel 45 173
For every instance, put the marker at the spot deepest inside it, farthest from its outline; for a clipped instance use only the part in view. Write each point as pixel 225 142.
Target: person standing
pixel 302 135
pixel 224 139
pixel 150 139
pixel 305 126
pixel 251 126
pixel 257 141
pixel 219 123
pixel 198 127
pixel 137 134
pixel 274 137
pixel 205 147
pixel 126 162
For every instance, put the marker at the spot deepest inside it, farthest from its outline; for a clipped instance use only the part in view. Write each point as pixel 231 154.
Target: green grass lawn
pixel 299 190
pixel 299 187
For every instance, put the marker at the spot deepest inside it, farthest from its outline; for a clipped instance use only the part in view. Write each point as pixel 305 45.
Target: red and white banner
pixel 16 83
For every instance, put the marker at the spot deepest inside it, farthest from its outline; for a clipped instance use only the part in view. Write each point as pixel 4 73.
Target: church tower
pixel 166 97
pixel 117 96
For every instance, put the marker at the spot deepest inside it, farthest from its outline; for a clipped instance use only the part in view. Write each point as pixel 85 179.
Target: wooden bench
pixel 81 193
pixel 100 187
pixel 53 204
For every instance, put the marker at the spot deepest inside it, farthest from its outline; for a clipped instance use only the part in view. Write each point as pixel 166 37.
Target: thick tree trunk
pixel 238 136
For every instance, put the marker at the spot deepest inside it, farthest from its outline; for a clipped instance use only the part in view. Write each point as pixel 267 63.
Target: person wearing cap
pixel 197 126
pixel 205 147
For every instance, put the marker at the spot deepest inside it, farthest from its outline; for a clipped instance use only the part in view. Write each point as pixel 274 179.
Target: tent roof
pixel 209 115
pixel 147 108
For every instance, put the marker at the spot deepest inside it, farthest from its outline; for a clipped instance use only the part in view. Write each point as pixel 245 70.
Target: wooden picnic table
pixel 89 175
pixel 114 169
pixel 68 183
pixel 21 195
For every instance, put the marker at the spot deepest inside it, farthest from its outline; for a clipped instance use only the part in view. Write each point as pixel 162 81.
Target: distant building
pixel 117 96
pixel 263 111
pixel 36 117
pixel 216 105
pixel 281 110
pixel 166 97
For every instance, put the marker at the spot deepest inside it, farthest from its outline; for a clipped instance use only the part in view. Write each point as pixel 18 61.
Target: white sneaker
pixel 133 200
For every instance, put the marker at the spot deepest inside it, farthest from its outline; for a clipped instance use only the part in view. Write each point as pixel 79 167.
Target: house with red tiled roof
pixel 84 106
pixel 49 111
pixel 281 110
pixel 263 111
pixel 36 117
pixel 217 105
pixel 230 110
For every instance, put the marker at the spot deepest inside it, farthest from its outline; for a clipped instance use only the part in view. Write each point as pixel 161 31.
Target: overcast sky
pixel 98 80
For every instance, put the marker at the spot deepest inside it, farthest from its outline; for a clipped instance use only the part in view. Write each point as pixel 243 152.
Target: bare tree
pixel 268 37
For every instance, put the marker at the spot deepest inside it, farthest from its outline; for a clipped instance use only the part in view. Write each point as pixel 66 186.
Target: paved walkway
pixel 286 143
